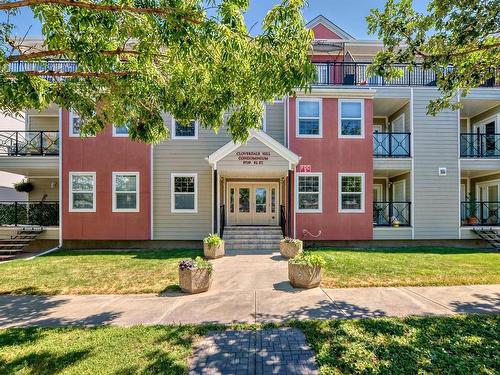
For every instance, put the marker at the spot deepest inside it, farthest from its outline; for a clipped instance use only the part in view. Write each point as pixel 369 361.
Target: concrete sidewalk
pixel 248 288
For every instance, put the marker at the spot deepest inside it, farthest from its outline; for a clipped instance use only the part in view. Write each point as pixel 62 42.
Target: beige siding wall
pixel 45 123
pixel 463 125
pixel 43 188
pixel 275 121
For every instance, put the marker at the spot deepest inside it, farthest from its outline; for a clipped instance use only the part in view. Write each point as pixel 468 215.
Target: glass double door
pixel 252 203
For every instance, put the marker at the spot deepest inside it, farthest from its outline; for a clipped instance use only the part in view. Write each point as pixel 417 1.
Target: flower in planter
pixel 24 186
pixel 195 276
pixel 304 271
pixel 213 246
pixel 291 240
pixel 213 240
pixel 308 258
pixel 192 264
pixel 290 247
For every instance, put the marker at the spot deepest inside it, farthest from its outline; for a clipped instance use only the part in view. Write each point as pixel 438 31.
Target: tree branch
pixel 482 48
pixel 164 11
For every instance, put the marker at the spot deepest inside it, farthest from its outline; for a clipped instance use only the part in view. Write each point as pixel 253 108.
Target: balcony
pixel 479 145
pixel 41 213
pixel 391 145
pixel 356 74
pixel 29 143
pixel 386 214
pixel 479 214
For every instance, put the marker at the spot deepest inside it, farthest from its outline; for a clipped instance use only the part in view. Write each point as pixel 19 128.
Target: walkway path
pixel 247 288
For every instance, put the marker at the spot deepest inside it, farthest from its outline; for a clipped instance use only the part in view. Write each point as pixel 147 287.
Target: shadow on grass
pixel 409 250
pixel 163 254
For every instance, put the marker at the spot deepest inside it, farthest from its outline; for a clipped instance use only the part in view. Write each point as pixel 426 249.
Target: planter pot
pixel 473 220
pixel 395 224
pixel 290 250
pixel 213 252
pixel 195 281
pixel 302 276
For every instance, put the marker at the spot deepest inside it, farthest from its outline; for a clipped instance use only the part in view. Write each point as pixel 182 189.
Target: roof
pixel 330 25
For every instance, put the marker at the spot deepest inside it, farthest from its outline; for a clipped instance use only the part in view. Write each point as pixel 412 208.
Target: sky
pixel 347 14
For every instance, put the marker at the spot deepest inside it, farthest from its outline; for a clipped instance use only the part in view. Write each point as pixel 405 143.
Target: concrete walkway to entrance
pixel 250 288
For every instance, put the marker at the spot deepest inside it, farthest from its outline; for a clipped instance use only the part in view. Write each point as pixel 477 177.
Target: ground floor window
pixel 351 192
pixel 125 191
pixel 82 191
pixel 184 192
pixel 308 189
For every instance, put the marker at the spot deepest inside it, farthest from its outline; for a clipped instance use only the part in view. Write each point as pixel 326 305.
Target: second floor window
pixel 309 122
pixel 74 124
pixel 180 131
pixel 351 119
pixel 120 131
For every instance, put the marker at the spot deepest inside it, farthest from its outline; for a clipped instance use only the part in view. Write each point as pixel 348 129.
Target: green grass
pixel 432 345
pixel 409 267
pixel 435 345
pixel 94 272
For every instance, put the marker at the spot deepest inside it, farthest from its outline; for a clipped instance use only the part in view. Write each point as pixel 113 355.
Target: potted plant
pixel 472 210
pixel 395 222
pixel 24 186
pixel 304 271
pixel 195 275
pixel 213 246
pixel 290 247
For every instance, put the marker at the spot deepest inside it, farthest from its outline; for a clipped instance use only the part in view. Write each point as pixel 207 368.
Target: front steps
pixel 252 238
pixel 12 248
pixel 489 235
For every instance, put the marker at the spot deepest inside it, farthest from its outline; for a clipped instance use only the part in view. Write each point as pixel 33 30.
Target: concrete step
pixel 252 233
pixel 237 236
pixel 10 251
pixel 246 246
pixel 6 257
pixel 253 241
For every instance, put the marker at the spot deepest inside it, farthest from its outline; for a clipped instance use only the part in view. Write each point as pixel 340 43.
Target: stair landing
pixel 252 237
pixel 12 248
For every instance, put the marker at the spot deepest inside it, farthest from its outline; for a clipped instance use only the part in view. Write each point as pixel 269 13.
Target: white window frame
pixel 482 124
pixel 118 135
pixel 363 193
pixel 362 103
pixel 297 118
pixel 137 191
pixel 94 203
pixel 73 115
pixel 401 118
pixel 172 193
pixel 173 136
pixel 320 193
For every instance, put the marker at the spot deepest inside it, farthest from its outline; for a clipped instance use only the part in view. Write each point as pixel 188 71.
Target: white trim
pixel 320 193
pixel 172 193
pixel 264 118
pixel 412 172
pixel 151 193
pixel 362 119
pixel 94 203
pixel 72 115
pixel 320 119
pixel 402 117
pixel 482 123
pixel 379 188
pixel 329 25
pixel 485 185
pixel 60 174
pixel 339 93
pixel 173 136
pixel 363 193
pixel 404 190
pixel 137 191
pixel 115 134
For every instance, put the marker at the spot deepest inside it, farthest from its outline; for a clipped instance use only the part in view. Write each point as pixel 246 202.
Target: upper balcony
pixel 341 73
pixel 391 145
pixel 29 143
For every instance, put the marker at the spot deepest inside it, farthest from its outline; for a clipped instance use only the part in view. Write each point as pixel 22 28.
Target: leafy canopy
pixel 137 59
pixel 464 34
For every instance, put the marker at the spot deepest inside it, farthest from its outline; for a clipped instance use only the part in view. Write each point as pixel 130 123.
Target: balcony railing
pixel 480 213
pixel 29 213
pixel 29 143
pixel 391 145
pixel 356 74
pixel 479 145
pixel 61 65
pixel 389 213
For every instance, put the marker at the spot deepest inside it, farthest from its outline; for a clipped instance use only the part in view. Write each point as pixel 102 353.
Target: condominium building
pixel 356 159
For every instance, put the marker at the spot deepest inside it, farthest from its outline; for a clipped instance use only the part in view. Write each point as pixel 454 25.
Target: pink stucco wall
pixel 331 156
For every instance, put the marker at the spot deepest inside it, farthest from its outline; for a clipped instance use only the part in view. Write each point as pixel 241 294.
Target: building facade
pixel 356 159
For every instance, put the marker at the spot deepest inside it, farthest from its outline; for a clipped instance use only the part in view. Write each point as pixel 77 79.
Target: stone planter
pixel 213 252
pixel 302 276
pixel 290 250
pixel 195 281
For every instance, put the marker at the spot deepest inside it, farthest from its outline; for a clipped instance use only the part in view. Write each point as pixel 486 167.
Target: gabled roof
pixel 270 142
pixel 329 25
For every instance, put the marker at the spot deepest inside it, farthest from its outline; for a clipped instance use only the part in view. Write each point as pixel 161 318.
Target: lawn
pixel 432 345
pixel 409 267
pixel 94 272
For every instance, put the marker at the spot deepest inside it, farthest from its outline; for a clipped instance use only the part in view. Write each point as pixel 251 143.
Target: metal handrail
pixel 283 220
pixel 386 213
pixel 391 145
pixel 479 145
pixel 29 143
pixel 40 213
pixel 222 219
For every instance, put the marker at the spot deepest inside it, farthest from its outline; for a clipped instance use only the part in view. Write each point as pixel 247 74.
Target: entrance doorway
pixel 252 203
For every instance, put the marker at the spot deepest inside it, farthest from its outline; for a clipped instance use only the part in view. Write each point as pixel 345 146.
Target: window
pixel 309 190
pixel 125 191
pixel 184 190
pixel 309 122
pixel 74 124
pixel 351 192
pixel 120 131
pixel 189 131
pixel 351 119
pixel 82 191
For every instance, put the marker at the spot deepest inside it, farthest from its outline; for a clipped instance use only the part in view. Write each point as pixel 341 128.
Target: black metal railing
pixel 480 213
pixel 222 219
pixel 390 213
pixel 356 74
pixel 479 145
pixel 29 143
pixel 283 220
pixel 29 213
pixel 391 145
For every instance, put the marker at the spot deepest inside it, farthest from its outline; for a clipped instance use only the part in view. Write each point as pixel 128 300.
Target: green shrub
pixel 307 258
pixel 213 240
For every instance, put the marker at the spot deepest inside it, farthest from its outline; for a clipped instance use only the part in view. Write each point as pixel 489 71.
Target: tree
pixel 136 59
pixel 458 39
